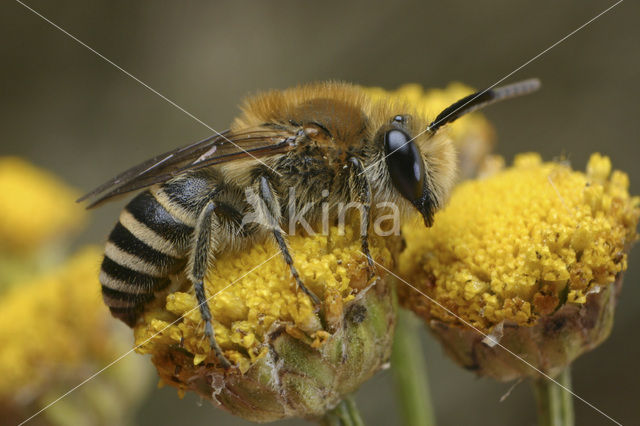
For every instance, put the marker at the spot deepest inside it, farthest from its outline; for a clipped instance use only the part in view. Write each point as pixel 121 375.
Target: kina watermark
pixel 314 218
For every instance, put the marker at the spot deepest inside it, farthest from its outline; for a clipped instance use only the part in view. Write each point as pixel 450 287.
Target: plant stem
pixel 344 414
pixel 555 405
pixel 410 374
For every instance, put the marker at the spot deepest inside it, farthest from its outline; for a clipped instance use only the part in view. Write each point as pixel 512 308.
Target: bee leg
pixel 199 262
pixel 270 200
pixel 361 192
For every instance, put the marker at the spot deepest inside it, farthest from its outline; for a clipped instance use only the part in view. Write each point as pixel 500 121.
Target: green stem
pixel 344 414
pixel 410 374
pixel 555 404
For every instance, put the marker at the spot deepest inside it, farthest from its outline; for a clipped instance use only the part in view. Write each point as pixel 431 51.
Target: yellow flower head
pixel 268 328
pixel 56 332
pixel 531 257
pixel 41 323
pixel 522 243
pixel 35 206
pixel 246 305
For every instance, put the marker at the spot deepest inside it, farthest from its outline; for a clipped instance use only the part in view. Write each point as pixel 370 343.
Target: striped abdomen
pixel 145 247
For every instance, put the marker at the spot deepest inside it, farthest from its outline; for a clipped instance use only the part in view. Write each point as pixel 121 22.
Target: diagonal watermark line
pixel 115 361
pixel 142 82
pixel 499 81
pixel 493 340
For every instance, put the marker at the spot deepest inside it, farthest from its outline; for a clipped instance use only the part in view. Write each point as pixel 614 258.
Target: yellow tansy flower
pixel 527 246
pixel 55 329
pixel 35 206
pixel 31 354
pixel 55 333
pixel 291 360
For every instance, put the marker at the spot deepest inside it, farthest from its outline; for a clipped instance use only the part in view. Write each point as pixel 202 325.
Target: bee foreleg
pixel 272 220
pixel 361 192
pixel 199 263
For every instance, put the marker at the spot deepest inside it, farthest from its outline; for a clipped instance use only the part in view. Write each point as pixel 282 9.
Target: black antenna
pixel 481 99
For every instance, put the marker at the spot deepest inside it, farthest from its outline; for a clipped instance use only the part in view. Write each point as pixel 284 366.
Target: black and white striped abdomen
pixel 144 248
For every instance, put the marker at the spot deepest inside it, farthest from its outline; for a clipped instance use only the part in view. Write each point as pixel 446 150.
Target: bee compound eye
pixel 405 164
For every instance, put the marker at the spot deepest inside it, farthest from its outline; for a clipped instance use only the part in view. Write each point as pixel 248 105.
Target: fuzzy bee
pixel 286 148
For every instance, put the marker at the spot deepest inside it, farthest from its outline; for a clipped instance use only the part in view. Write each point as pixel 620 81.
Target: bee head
pixel 423 178
pixel 420 164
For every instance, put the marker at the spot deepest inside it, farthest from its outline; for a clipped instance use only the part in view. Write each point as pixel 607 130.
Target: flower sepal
pixel 297 373
pixel 548 347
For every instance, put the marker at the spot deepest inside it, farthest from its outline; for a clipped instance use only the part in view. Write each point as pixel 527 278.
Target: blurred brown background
pixel 69 111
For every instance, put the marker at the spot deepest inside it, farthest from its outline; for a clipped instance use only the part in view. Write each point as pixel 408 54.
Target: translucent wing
pixel 220 148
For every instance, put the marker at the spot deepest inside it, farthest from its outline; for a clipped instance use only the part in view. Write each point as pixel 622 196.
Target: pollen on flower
pixel 521 243
pixel 253 292
pixel 35 206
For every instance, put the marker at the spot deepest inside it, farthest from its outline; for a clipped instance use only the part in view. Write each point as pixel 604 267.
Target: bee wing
pixel 220 148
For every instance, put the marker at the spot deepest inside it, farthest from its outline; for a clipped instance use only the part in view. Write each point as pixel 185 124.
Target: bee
pixel 285 148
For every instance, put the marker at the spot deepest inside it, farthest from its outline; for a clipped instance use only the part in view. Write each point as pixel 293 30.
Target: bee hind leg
pixel 272 221
pixel 199 264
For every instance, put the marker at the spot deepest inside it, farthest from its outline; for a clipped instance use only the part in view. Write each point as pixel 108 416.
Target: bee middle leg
pixel 200 260
pixel 360 190
pixel 271 219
